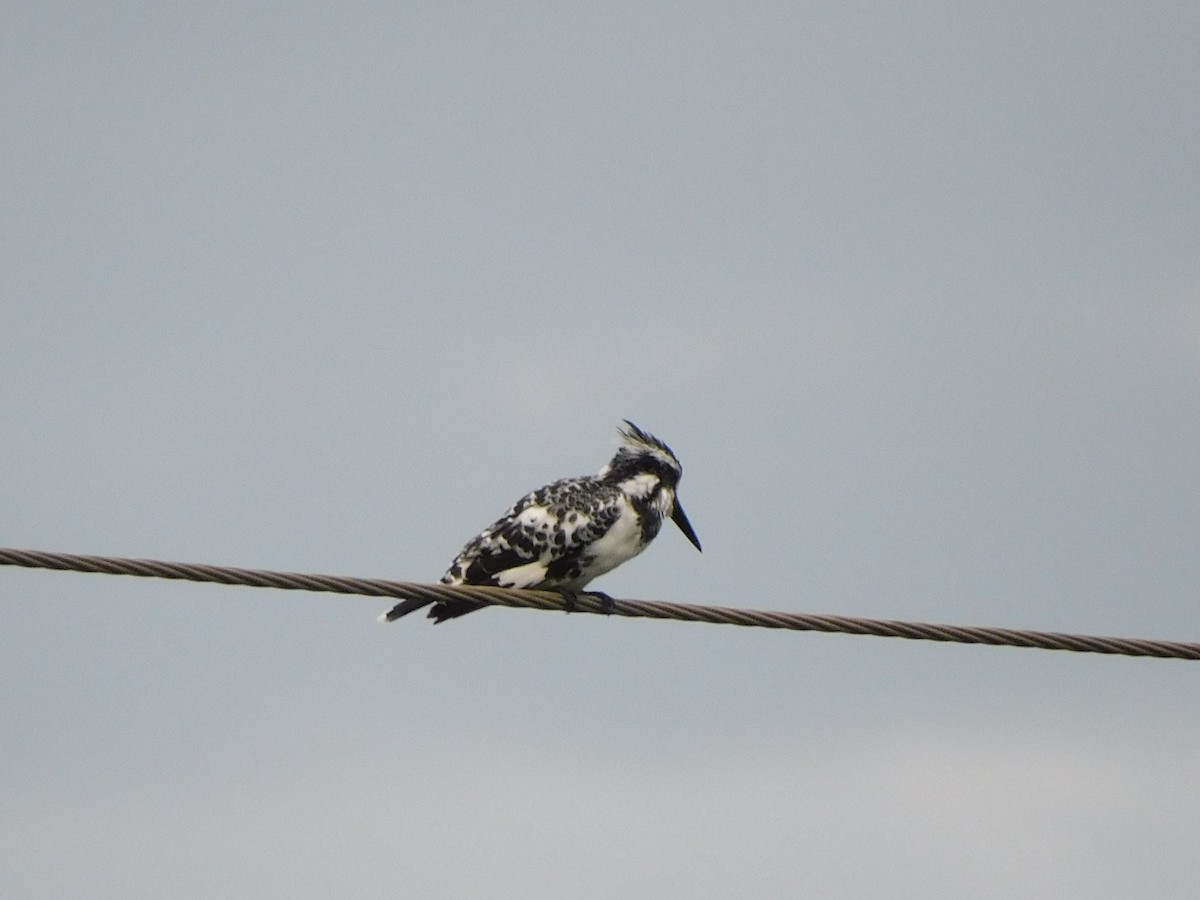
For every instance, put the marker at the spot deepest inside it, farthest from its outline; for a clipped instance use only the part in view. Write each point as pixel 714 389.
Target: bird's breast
pixel 622 541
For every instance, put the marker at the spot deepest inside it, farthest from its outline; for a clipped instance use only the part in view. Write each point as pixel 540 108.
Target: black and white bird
pixel 562 536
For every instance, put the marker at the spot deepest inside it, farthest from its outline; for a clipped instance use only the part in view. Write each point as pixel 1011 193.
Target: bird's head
pixel 646 468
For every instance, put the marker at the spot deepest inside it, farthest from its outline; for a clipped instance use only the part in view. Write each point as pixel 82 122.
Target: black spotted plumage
pixel 512 541
pixel 565 534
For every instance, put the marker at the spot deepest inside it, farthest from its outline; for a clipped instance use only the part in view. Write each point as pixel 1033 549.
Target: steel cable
pixel 551 600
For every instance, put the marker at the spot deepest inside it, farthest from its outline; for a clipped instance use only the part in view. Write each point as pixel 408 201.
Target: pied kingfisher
pixel 563 535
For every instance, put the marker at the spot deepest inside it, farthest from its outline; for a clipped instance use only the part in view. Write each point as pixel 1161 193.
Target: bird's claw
pixel 607 604
pixel 572 600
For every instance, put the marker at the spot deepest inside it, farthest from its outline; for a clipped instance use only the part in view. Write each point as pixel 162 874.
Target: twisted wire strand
pixel 652 609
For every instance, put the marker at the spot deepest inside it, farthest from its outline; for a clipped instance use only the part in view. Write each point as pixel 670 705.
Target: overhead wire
pixel 602 605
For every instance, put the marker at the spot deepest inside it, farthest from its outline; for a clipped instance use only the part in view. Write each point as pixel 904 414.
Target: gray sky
pixel 911 290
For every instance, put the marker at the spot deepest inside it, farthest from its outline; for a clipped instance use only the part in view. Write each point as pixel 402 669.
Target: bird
pixel 569 532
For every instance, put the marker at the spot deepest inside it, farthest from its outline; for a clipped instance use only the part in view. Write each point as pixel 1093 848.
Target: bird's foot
pixel 607 603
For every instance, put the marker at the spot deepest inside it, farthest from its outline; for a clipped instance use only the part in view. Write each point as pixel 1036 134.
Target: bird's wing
pixel 537 540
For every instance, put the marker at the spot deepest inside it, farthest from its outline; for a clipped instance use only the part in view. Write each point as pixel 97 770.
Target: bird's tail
pixel 452 609
pixel 439 612
pixel 403 609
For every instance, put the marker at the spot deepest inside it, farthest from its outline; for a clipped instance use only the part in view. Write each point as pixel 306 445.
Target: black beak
pixel 679 517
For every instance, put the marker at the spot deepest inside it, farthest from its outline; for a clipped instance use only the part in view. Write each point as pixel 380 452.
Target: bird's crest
pixel 640 451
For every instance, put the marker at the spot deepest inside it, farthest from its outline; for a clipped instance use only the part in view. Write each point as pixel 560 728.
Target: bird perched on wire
pixel 562 536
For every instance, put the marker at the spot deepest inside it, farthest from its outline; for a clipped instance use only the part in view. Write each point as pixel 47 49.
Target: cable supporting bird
pixel 568 533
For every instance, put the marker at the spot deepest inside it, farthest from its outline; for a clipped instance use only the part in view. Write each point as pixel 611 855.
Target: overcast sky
pixel 913 291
